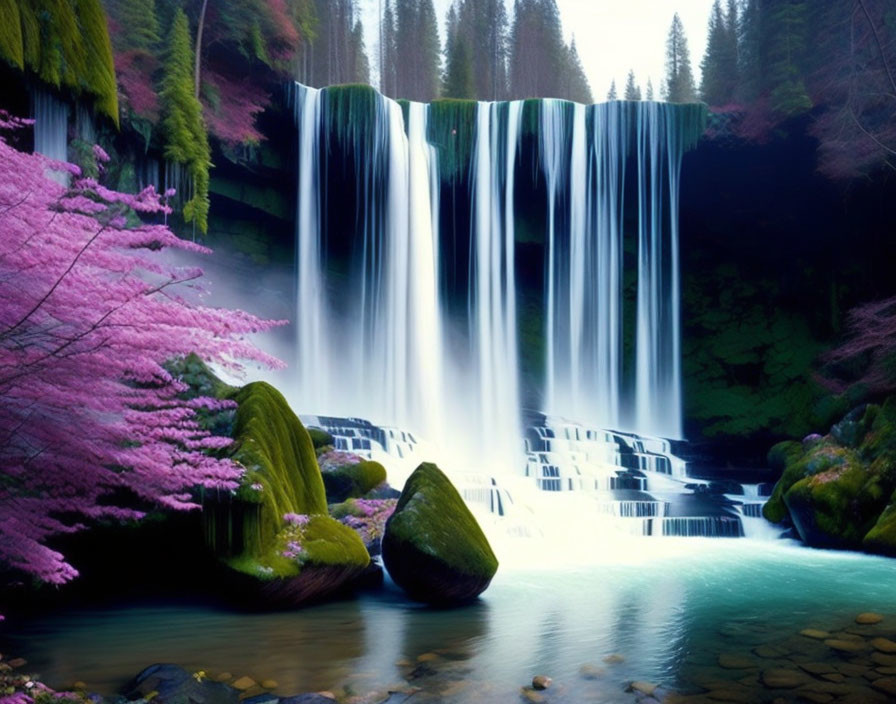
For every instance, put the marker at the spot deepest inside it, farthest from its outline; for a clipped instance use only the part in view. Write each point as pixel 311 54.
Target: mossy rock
pixel 433 547
pixel 249 532
pixel 882 536
pixel 353 481
pixel 320 438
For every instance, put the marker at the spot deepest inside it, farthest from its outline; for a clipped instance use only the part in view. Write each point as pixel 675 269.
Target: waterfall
pixel 50 128
pixel 407 261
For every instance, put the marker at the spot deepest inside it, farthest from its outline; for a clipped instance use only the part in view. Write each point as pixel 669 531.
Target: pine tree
pixel 577 88
pixel 184 133
pixel 429 51
pixel 611 94
pixel 783 47
pixel 388 82
pixel 649 95
pixel 679 87
pixel 719 65
pixel 459 81
pixel 632 91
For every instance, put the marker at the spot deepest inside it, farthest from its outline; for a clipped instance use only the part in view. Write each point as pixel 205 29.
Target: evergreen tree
pixel 749 61
pixel 632 91
pixel 358 64
pixel 430 50
pixel 611 94
pixel 184 133
pixel 679 86
pixel 783 52
pixel 337 51
pixel 577 88
pixel 649 95
pixel 388 81
pixel 719 65
pixel 459 68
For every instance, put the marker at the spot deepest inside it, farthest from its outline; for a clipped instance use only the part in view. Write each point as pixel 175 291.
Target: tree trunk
pixel 199 30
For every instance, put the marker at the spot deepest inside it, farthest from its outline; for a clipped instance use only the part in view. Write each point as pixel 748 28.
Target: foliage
pixel 367 517
pixel 679 84
pixel 186 140
pixel 64 43
pixel 865 361
pixel 337 54
pixel 90 312
pixel 632 90
pixel 719 66
pixel 412 69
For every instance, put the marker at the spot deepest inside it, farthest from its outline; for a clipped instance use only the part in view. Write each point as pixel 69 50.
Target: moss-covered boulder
pixel 274 534
pixel 320 438
pixel 352 481
pixel 433 547
pixel 838 490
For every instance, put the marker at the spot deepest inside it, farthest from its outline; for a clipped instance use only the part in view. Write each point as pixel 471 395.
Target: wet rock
pixel 883 659
pixel 79 686
pixel 845 646
pixel 614 659
pixel 852 669
pixel 781 678
pixel 819 697
pixel 223 677
pixel 736 662
pixel 173 685
pixel 427 657
pixel 244 683
pixel 833 677
pixel 17 663
pixel 886 670
pixel 869 618
pixel 887 685
pixel 541 682
pixel 591 672
pixel 815 633
pixel 642 687
pixel 884 645
pixel 771 651
pixel 817 668
pixel 530 695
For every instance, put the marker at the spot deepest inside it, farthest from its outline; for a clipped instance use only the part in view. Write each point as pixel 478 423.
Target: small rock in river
pixel 868 618
pixel 541 682
pixel 845 646
pixel 815 633
pixel 17 662
pixel 224 677
pixel 642 687
pixel 735 662
pixel 269 684
pixel 614 659
pixel 591 672
pixel 887 685
pixel 244 683
pixel 531 695
pixel 780 678
pixel 884 645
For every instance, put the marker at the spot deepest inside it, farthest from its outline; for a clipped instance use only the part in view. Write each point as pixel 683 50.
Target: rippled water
pixel 669 610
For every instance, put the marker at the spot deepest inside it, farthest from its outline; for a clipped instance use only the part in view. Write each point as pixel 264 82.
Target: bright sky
pixel 612 36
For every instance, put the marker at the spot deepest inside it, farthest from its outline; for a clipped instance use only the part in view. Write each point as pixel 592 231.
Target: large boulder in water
pixel 433 547
pixel 839 491
pixel 275 537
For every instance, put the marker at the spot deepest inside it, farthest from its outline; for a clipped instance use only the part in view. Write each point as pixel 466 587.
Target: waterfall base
pixel 575 481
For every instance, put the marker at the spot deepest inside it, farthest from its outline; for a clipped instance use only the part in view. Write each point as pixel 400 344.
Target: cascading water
pixel 410 219
pixel 50 128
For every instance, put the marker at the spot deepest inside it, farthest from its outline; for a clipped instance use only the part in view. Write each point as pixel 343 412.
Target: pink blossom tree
pixel 91 424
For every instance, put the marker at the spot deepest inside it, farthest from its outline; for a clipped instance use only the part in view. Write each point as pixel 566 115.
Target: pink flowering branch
pixel 89 312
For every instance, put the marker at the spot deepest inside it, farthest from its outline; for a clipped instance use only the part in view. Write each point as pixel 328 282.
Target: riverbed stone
pixel 173 685
pixel 782 678
pixel 614 659
pixel 769 651
pixel 845 646
pixel 731 661
pixel 735 696
pixel 883 659
pixel 884 645
pixel 869 618
pixel 817 668
pixel 530 695
pixel 433 546
pixel 591 672
pixel 887 685
pixel 643 687
pixel 815 633
pixel 541 682
pixel 245 682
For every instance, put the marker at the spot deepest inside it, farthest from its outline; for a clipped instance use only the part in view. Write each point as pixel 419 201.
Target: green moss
pixel 320 438
pixel 12 49
pixel 432 516
pixel 352 481
pixel 882 536
pixel 349 113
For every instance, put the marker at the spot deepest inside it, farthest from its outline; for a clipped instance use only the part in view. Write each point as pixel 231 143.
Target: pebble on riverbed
pixel 541 682
pixel 869 618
